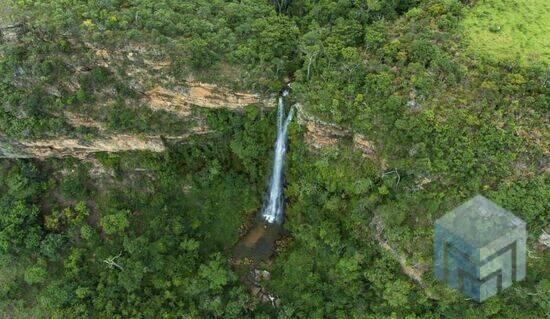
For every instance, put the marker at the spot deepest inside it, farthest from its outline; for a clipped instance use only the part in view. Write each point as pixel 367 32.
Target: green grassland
pixel 509 30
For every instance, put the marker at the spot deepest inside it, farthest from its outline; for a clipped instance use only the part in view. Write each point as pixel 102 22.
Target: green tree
pixel 36 274
pixel 115 223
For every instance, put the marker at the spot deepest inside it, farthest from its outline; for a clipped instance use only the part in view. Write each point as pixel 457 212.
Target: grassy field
pixel 508 30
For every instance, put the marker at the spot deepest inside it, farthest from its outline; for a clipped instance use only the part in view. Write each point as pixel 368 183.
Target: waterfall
pixel 272 211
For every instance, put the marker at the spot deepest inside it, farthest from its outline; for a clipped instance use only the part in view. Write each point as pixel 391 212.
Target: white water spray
pixel 272 211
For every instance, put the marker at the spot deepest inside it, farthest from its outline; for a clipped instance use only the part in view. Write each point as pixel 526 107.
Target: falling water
pixel 272 211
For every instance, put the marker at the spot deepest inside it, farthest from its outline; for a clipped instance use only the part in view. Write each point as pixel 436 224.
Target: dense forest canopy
pixel 141 234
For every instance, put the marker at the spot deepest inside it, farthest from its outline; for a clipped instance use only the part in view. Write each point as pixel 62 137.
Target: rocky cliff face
pixel 197 94
pixel 320 134
pixel 148 72
pixel 83 148
pixel 143 68
pixel 63 147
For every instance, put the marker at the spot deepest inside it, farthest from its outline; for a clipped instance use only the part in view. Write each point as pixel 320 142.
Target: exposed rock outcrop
pixel 145 66
pixel 202 95
pixel 9 29
pixel 173 95
pixel 320 134
pixel 544 240
pixel 79 148
pixel 77 120
pixel 254 279
pixel 64 146
pixel 10 33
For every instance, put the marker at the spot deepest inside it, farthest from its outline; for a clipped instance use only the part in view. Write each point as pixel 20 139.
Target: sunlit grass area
pixel 510 30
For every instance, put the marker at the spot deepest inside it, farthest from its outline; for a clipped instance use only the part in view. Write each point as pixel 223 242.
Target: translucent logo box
pixel 480 248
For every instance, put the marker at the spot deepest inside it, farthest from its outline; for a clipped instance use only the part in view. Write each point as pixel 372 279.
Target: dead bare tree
pixel 111 263
pixel 281 4
pixel 394 171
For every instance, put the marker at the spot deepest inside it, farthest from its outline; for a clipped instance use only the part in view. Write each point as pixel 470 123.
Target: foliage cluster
pixel 154 239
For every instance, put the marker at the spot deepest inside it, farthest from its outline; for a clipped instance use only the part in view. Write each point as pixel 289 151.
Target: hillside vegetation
pixel 143 234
